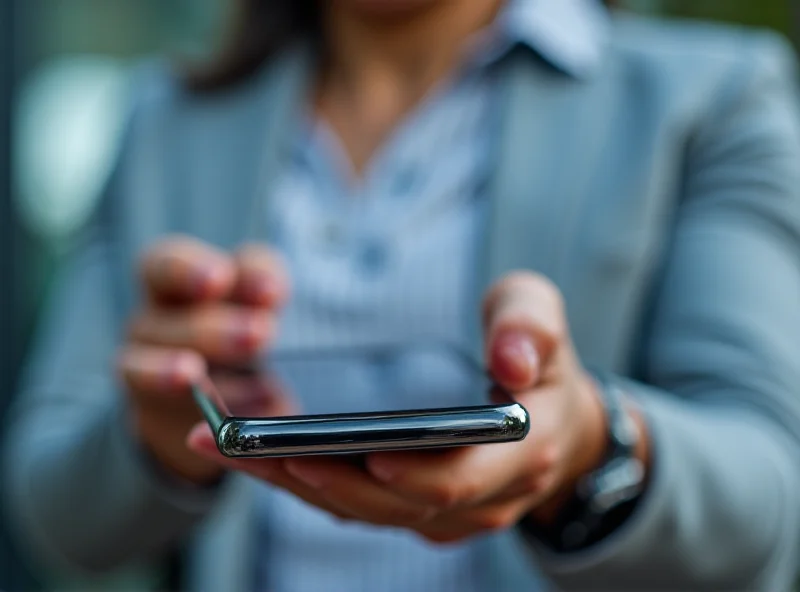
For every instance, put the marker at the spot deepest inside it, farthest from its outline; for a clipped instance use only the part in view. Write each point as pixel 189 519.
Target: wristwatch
pixel 607 495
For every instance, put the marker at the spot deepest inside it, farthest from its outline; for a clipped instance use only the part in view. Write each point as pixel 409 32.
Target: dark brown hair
pixel 259 29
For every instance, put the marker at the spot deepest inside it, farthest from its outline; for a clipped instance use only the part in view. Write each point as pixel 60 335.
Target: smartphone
pixel 383 379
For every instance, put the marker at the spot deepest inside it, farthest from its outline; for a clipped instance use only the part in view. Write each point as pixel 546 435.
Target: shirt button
pixel 373 256
pixel 404 182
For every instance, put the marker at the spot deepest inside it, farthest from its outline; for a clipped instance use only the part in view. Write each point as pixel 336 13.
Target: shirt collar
pixel 570 34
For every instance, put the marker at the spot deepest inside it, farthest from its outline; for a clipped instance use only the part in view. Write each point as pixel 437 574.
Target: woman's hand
pixel 200 304
pixel 453 494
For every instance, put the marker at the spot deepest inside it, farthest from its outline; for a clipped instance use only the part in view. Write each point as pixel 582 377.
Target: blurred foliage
pixel 762 13
pixel 781 15
pixel 118 28
pixel 123 30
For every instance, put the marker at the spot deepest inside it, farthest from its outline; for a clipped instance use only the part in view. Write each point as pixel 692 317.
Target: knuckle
pixel 444 495
pixel 539 483
pixel 263 272
pixel 468 491
pixel 449 494
pixel 548 458
pixel 533 485
pixel 184 266
pixel 547 483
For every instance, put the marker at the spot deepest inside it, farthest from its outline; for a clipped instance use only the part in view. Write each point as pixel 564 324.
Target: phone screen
pixel 385 378
pixel 345 401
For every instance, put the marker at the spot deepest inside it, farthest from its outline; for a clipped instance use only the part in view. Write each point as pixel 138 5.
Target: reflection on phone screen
pixel 378 379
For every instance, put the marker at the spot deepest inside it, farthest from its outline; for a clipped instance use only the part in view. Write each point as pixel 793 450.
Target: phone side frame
pixel 372 432
pixel 214 415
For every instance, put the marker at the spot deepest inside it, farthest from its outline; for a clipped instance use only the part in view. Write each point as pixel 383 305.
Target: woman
pixel 621 195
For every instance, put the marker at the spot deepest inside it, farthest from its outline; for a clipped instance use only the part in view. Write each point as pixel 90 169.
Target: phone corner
pixel 229 438
pixel 518 420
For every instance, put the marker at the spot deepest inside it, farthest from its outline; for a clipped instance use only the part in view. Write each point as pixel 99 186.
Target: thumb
pixel 201 440
pixel 524 324
pixel 513 360
pixel 247 396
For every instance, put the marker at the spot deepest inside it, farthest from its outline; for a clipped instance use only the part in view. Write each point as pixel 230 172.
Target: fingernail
pixel 514 358
pixel 189 367
pixel 311 476
pixel 381 469
pixel 204 279
pixel 201 440
pixel 179 371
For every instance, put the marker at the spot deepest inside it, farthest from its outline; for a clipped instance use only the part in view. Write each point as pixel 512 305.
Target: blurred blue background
pixel 64 71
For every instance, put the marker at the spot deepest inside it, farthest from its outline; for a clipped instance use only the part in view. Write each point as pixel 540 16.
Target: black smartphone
pixel 449 392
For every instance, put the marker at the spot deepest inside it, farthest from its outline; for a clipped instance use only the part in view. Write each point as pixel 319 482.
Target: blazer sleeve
pixel 78 490
pixel 722 360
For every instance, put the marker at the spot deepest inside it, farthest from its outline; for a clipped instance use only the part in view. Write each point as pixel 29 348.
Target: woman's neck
pixel 378 67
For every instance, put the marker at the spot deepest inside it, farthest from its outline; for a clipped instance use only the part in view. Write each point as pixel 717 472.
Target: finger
pixel 271 470
pixel 261 277
pixel 348 488
pixel 524 324
pixel 453 527
pixel 255 396
pixel 159 370
pixel 453 478
pixel 223 333
pixel 185 269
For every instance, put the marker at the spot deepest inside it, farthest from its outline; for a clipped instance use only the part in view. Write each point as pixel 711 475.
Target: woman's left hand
pixel 456 493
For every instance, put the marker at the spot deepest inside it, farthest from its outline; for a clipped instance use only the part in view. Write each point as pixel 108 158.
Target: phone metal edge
pixel 229 438
pixel 215 418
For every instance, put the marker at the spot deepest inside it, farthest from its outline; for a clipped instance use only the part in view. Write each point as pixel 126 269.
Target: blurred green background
pixel 70 58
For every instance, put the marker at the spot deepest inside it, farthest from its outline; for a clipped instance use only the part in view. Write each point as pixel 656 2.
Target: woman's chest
pixel 387 255
pixel 571 184
pixel 391 260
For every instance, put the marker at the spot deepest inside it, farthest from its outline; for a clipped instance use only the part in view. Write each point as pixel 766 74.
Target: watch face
pixel 621 478
pixel 626 432
pixel 622 430
pixel 619 481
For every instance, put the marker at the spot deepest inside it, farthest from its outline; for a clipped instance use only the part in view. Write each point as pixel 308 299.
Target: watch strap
pixel 605 497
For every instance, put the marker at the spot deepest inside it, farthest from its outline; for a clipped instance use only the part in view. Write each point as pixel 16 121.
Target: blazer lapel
pixel 249 146
pixel 546 154
pixel 287 95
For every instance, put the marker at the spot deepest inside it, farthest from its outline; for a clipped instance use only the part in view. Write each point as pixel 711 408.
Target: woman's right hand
pixel 201 305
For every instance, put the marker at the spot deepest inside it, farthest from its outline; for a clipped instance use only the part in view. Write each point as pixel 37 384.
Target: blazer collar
pixel 570 34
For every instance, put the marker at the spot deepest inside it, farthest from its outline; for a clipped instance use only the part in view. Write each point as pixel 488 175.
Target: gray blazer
pixel 661 193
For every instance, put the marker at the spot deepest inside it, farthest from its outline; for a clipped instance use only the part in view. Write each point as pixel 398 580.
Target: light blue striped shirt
pixel 390 258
